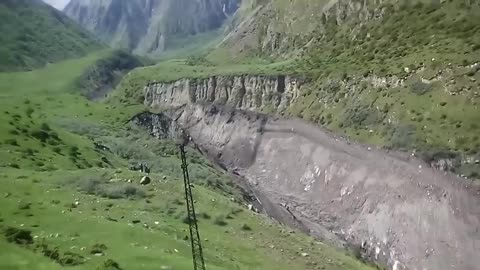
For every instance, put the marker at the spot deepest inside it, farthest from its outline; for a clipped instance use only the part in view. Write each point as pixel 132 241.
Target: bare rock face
pixel 274 93
pixel 146 26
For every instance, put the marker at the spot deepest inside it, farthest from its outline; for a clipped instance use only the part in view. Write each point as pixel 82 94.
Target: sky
pixel 59 4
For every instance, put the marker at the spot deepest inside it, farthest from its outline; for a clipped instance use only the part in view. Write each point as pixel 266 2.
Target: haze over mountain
pixel 149 27
pixel 58 4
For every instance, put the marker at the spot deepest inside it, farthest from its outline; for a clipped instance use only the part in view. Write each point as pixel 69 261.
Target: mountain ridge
pixel 146 27
pixel 33 34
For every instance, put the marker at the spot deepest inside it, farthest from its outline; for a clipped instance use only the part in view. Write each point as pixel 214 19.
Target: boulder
pixel 145 180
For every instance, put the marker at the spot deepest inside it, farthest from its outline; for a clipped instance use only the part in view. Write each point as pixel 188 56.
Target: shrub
pixel 98 249
pixel 45 127
pixel 122 191
pixel 29 112
pixel 403 136
pixel 109 265
pixel 11 142
pixel 220 221
pixel 204 215
pixel 71 259
pixel 18 236
pixel 96 185
pixel 245 227
pixel 361 115
pixel 420 88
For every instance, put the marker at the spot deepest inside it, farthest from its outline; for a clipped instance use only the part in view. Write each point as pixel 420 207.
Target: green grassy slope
pixel 432 50
pixel 57 149
pixel 33 34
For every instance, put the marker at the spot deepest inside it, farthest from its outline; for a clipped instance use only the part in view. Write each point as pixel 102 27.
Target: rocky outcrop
pixel 398 213
pixel 249 92
pixel 147 26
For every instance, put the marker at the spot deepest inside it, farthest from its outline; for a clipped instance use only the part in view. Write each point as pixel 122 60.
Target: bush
pixel 122 191
pixel 220 221
pixel 420 88
pixel 96 185
pixel 204 216
pixel 18 236
pixel 360 116
pixel 245 227
pixel 109 265
pixel 403 136
pixel 11 142
pixel 98 249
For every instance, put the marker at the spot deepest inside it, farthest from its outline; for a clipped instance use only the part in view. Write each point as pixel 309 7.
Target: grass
pixel 65 181
pixel 157 239
pixel 33 34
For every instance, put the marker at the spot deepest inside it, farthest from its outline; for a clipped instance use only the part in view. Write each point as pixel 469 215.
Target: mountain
pixel 149 26
pixel 403 75
pixel 33 34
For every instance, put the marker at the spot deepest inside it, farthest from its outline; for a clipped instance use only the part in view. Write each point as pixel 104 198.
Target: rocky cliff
pixel 146 27
pixel 396 212
pixel 249 92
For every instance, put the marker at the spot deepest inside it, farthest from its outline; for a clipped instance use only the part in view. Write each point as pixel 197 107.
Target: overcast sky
pixel 59 4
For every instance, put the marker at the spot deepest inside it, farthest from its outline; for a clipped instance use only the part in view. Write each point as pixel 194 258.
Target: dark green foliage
pixel 106 73
pixel 33 34
pixel 11 142
pixel 420 88
pixel 432 154
pixel 71 259
pixel 361 116
pixel 54 254
pixel 109 265
pixel 403 136
pixel 245 227
pixel 99 186
pixel 18 236
pixel 98 249
pixel 204 215
pixel 220 221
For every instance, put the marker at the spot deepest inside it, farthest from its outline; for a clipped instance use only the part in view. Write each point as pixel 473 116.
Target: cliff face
pixel 266 93
pixel 146 26
pixel 396 212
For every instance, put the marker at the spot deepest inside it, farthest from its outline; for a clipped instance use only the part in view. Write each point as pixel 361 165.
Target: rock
pixel 304 254
pixel 136 221
pixel 477 161
pixel 145 180
pixel 164 177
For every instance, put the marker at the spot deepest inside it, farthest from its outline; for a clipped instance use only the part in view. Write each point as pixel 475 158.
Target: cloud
pixel 59 4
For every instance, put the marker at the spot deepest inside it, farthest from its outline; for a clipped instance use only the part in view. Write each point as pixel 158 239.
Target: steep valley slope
pixel 397 211
pixel 404 76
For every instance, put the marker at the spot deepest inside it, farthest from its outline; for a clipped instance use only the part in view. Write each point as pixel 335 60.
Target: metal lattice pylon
pixel 197 253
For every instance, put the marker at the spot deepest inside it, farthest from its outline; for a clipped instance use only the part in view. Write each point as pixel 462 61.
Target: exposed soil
pixel 399 211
